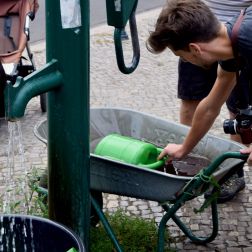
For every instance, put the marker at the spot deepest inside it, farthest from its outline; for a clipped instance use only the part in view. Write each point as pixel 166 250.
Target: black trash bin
pixel 36 234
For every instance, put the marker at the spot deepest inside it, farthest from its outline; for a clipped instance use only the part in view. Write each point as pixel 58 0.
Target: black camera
pixel 242 125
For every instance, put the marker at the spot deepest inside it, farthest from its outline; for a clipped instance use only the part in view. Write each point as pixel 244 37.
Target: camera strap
pixel 234 36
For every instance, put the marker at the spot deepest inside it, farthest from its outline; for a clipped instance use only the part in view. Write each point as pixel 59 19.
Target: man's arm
pixel 205 115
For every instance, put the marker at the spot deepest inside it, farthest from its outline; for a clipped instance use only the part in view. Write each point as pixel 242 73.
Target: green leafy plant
pixel 23 196
pixel 37 201
pixel 133 233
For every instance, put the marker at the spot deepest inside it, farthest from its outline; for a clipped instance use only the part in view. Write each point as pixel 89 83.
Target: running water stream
pixel 15 236
pixel 16 191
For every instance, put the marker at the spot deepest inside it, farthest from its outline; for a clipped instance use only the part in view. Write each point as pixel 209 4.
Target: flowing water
pixel 13 236
pixel 16 191
pixel 16 234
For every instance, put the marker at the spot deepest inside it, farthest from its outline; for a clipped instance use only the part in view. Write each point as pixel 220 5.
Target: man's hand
pixel 248 151
pixel 172 151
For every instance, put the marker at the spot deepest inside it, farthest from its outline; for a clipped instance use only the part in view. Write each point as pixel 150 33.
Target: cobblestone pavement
pixel 151 89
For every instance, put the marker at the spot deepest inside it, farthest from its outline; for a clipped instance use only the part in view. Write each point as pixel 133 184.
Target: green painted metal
pixel 106 225
pixel 17 96
pixel 190 191
pixel 68 120
pixel 171 213
pixel 119 11
pixel 66 76
pixel 127 68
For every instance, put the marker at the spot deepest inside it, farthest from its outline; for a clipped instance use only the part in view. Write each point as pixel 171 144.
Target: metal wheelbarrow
pixel 116 177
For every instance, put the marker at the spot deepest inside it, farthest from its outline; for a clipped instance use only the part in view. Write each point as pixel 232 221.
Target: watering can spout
pixel 17 96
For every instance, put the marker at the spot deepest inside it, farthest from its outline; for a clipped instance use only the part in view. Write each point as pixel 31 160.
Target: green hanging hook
pixel 119 12
pixel 127 69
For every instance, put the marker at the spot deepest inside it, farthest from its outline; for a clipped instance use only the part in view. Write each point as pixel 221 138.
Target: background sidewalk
pixel 152 88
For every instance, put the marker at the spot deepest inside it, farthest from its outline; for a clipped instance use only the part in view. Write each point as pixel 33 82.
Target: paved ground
pixel 152 89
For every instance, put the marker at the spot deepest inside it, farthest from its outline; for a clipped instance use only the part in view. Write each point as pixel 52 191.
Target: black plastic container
pixel 36 234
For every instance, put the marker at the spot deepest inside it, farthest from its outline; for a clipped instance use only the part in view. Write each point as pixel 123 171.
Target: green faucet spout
pixel 17 96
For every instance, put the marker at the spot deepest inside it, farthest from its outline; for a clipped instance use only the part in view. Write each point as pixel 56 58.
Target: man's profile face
pixel 199 59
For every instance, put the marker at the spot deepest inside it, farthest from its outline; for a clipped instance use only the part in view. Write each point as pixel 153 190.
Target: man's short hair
pixel 182 22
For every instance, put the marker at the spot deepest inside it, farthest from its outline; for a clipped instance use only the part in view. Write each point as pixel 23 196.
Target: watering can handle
pixel 135 45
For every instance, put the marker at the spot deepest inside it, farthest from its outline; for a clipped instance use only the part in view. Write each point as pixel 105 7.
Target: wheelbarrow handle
pixel 237 155
pixel 221 158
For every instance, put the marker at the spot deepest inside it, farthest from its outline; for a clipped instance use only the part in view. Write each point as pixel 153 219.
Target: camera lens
pixel 229 126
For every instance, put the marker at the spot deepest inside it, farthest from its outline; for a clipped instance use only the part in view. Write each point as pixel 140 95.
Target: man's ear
pixel 194 48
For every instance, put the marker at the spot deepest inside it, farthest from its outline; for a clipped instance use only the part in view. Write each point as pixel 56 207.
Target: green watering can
pixel 129 150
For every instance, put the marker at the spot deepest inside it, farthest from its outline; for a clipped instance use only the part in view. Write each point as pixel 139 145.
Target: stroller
pixel 15 16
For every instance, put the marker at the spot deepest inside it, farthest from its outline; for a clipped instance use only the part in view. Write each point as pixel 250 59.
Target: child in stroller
pixel 14 37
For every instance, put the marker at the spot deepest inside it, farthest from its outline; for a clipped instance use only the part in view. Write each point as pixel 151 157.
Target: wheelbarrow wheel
pixel 43 98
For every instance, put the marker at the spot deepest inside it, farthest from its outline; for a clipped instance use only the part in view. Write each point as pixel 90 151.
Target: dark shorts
pixel 195 83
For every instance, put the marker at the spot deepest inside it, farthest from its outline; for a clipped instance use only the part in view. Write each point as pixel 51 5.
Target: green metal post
pixel 67 41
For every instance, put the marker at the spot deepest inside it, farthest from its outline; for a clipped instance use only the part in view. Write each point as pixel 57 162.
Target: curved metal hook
pixel 135 45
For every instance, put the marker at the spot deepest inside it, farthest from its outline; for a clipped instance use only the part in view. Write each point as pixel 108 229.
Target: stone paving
pixel 151 89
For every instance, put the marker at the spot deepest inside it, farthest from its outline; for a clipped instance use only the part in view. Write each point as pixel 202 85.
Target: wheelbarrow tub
pixel 113 176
